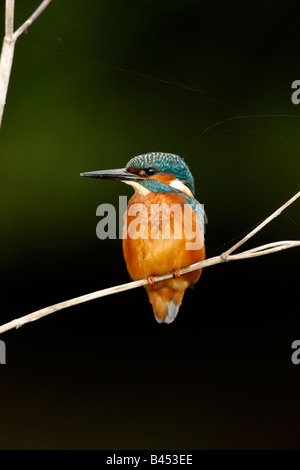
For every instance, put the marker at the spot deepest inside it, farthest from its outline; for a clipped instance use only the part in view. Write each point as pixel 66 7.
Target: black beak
pixel 120 174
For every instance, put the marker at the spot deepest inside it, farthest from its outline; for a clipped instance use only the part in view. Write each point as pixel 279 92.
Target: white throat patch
pixel 139 188
pixel 182 187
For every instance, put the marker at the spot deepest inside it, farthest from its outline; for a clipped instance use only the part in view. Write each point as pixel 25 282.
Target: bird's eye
pixel 147 172
pixel 150 171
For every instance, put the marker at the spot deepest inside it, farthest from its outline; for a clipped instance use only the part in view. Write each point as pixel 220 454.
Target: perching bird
pixel 164 229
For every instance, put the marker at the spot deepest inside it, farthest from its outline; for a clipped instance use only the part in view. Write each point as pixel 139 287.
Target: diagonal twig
pixel 260 226
pixel 31 19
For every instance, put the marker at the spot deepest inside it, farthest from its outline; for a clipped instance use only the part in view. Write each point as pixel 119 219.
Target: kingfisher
pixel 164 227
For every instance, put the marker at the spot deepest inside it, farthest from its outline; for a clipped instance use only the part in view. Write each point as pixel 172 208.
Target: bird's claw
pixel 151 281
pixel 176 274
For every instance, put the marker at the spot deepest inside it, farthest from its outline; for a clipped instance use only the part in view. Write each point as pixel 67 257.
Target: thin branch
pixel 9 18
pixel 260 226
pixel 224 257
pixel 8 48
pixel 31 19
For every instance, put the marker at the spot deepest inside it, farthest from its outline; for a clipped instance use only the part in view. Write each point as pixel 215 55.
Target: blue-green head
pixel 155 171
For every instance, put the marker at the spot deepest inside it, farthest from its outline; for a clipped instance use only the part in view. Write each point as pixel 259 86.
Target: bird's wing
pixel 200 212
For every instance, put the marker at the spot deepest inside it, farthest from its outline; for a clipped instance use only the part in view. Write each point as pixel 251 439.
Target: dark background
pixel 93 84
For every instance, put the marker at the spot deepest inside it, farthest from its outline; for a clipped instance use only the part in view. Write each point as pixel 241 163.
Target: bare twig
pixel 31 19
pixel 9 18
pixel 260 226
pixel 8 48
pixel 224 257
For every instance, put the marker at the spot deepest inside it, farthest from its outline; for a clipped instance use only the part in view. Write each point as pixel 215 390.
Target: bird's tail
pixel 165 302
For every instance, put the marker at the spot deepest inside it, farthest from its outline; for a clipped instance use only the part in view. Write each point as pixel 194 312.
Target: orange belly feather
pixel 155 255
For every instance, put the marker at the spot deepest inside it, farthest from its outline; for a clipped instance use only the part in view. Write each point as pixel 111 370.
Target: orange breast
pixel 157 237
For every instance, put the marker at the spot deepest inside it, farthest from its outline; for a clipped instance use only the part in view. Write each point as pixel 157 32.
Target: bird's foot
pixel 176 274
pixel 151 281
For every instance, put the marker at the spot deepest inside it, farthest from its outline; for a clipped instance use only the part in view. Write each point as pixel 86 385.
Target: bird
pixel 164 227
